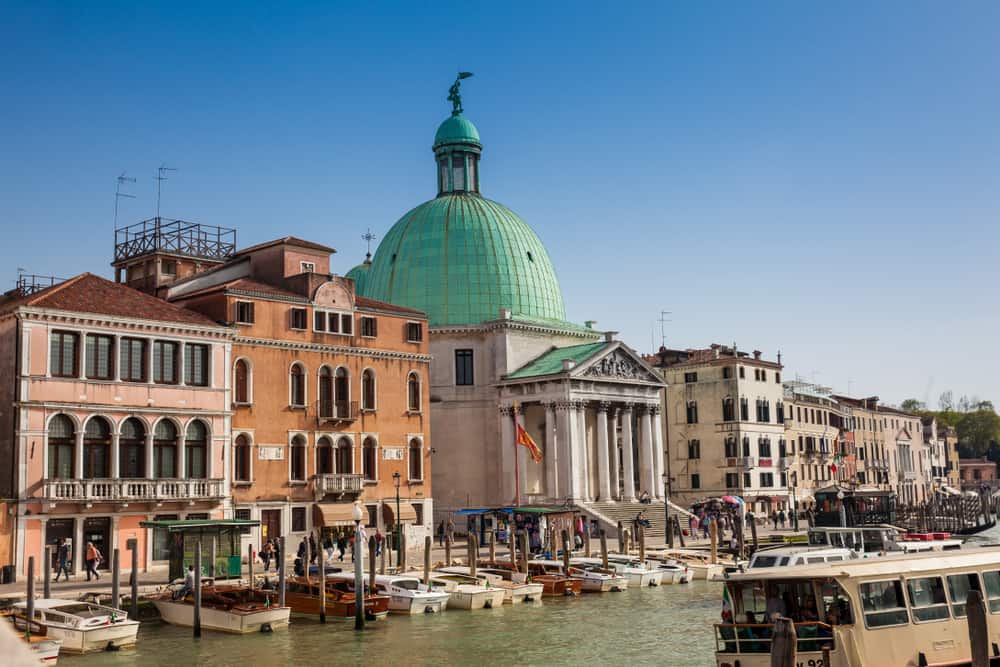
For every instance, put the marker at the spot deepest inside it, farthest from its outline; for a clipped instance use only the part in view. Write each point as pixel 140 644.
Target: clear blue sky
pixel 820 180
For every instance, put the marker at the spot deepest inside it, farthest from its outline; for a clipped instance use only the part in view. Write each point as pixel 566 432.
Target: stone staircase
pixel 609 513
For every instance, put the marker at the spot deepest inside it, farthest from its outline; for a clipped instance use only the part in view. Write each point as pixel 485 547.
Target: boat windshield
pixel 408 584
pixel 769 561
pixel 82 610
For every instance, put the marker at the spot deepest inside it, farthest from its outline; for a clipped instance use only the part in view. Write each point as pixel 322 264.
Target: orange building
pixel 330 400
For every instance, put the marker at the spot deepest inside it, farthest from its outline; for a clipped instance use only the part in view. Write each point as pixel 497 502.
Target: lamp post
pixel 359 575
pixel 396 478
pixel 667 528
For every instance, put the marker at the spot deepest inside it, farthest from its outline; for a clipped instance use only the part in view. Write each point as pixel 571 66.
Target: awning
pixel 406 513
pixel 191 525
pixel 327 515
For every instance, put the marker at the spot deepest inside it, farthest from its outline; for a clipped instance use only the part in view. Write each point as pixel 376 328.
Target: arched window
pixel 324 456
pixel 728 409
pixel 96 448
pixel 746 445
pixel 132 449
pixel 297 386
pixel 368 390
pixel 61 440
pixel 297 454
pixel 413 392
pixel 241 459
pixel 368 459
pixel 343 393
pixel 345 457
pixel 165 450
pixel 325 393
pixel 196 450
pixel 416 460
pixel 241 381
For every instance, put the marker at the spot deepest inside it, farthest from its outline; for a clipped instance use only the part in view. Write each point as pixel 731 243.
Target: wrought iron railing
pixel 177 237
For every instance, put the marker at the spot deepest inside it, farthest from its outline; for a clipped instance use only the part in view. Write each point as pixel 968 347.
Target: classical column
pixel 78 545
pixel 507 489
pixel 628 463
pixel 78 455
pixel 603 457
pixel 522 454
pixel 115 458
pixel 646 479
pixel 150 472
pixel 583 451
pixel 658 454
pixel 564 440
pixel 616 487
pixel 551 458
pixel 181 471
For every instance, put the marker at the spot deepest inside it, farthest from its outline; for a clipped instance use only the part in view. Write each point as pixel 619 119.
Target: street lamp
pixel 396 478
pixel 667 528
pixel 359 575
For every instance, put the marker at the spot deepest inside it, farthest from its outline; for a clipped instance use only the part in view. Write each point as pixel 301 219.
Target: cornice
pixel 331 349
pixel 34 314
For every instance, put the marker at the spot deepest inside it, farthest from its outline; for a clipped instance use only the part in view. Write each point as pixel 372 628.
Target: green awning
pixel 180 526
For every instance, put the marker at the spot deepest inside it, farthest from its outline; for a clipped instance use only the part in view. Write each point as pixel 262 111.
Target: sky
pixel 819 179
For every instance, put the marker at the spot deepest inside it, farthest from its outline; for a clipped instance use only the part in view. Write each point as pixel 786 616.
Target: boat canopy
pixel 192 525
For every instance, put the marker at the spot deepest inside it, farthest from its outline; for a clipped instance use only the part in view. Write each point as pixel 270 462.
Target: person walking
pixel 93 559
pixel 449 531
pixel 774 519
pixel 328 547
pixel 313 551
pixel 62 559
pixel 440 533
pixel 341 546
pixel 266 552
pixel 379 539
pixel 782 517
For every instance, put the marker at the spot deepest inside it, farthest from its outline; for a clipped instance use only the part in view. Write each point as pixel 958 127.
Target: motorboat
pixel 674 572
pixel 799 555
pixel 514 584
pixel 554 584
pixel 406 593
pixel 34 635
pixel 638 573
pixel 466 592
pixel 232 609
pixel 699 562
pixel 592 578
pixel 302 596
pixel 83 627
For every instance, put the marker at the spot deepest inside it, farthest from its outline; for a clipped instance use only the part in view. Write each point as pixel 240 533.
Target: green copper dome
pixel 457 130
pixel 359 274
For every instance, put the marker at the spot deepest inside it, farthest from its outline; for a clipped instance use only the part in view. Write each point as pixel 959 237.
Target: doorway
pixel 98 531
pixel 270 524
pixel 56 529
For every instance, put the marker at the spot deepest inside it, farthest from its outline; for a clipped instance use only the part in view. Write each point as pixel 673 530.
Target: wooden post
pixel 586 540
pixel 753 534
pixel 565 548
pixel 713 535
pixel 47 579
pixel 447 550
pixel 116 579
pixel 979 642
pixel 135 581
pixel 524 550
pixel 604 549
pixel 783 645
pixel 668 526
pixel 473 553
pixel 621 538
pixel 372 544
pixel 513 547
pixel 493 548
pixel 826 654
pixel 359 578
pixel 642 545
pixel 427 560
pixel 197 590
pixel 402 548
pixel 322 579
pixel 250 565
pixel 386 546
pixel 30 607
pixel 213 554
pixel 680 533
pixel 281 571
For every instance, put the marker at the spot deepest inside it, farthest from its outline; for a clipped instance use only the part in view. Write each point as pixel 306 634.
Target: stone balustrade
pixel 124 490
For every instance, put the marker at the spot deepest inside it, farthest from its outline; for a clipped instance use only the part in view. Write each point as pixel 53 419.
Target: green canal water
pixel 670 625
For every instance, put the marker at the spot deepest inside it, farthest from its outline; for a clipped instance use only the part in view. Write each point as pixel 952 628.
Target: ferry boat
pixel 798 555
pixel 407 594
pixel 302 597
pixel 465 592
pixel 592 578
pixel 880 540
pixel 232 609
pixel 879 612
pixel 637 573
pixel 83 627
pixel 514 585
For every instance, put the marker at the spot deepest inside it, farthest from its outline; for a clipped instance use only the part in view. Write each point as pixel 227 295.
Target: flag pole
pixel 517 466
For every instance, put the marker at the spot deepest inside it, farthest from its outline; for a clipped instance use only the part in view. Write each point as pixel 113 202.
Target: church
pixel 503 353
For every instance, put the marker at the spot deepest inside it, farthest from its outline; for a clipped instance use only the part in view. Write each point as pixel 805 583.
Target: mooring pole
pixel 322 580
pixel 604 549
pixel 47 579
pixel 281 571
pixel 372 543
pixel 31 596
pixel 197 590
pixel 134 579
pixel 116 579
pixel 427 560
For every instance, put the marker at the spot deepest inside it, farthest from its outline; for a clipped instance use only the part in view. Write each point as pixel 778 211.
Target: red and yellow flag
pixel 524 440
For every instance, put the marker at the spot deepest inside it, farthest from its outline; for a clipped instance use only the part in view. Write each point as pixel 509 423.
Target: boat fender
pixel 369 615
pixel 428 609
pixel 568 592
pixel 266 628
pixel 488 604
pixel 111 647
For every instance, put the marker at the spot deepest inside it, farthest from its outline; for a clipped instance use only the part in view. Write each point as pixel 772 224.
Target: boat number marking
pixel 816 662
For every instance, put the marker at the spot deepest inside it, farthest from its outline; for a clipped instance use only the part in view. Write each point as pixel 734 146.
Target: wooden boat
pixel 407 594
pixel 465 592
pixel 233 609
pixel 638 574
pixel 699 562
pixel 302 597
pixel 592 578
pixel 83 627
pixel 553 584
pixel 515 591
pixel 43 647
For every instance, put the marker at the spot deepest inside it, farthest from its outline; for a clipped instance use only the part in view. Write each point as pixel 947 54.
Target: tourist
pixel 93 559
pixel 644 498
pixel 781 518
pixel 312 549
pixel 440 533
pixel 449 531
pixel 350 542
pixel 266 552
pixel 341 546
pixel 809 613
pixel 303 551
pixel 62 559
pixel 775 605
pixel 328 547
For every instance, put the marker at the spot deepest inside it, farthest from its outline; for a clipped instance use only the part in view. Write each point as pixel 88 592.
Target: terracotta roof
pixel 246 285
pixel 290 240
pixel 365 302
pixel 87 293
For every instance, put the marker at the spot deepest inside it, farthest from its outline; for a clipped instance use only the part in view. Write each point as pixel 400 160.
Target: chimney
pixel 756 355
pixel 609 336
pixel 590 323
pixel 568 365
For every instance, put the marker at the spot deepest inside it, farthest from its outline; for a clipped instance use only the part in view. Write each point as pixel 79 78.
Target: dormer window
pixel 307 267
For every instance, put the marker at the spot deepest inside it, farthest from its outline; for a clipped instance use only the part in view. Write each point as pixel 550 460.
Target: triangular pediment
pixel 617 362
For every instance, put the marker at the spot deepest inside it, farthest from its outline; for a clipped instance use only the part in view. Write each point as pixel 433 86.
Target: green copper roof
pixel 550 363
pixel 457 130
pixel 359 274
pixel 461 258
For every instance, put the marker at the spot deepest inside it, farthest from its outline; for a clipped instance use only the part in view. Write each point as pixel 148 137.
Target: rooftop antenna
pixel 663 326
pixel 123 179
pixel 368 237
pixel 160 177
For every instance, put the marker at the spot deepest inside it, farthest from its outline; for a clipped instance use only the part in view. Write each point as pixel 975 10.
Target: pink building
pixel 114 409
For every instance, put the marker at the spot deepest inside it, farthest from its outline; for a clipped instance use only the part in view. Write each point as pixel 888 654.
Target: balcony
pixel 131 490
pixel 337 484
pixel 337 411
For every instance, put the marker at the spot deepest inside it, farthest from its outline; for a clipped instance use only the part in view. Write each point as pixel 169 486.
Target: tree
pixel 976 430
pixel 912 405
pixel 946 402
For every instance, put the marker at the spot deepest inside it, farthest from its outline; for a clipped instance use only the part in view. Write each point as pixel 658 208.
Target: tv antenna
pixel 663 326
pixel 160 177
pixel 123 179
pixel 368 237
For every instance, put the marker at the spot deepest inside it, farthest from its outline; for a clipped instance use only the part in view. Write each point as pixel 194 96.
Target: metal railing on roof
pixel 178 237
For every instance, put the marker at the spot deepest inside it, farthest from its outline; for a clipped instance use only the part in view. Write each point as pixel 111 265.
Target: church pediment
pixel 617 363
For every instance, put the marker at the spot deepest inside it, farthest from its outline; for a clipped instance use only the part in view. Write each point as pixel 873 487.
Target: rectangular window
pixel 992 581
pixel 463 368
pixel 63 354
pixel 695 481
pixel 764 448
pixel 959 586
pixel 927 599
pixel 369 327
pixel 746 480
pixel 100 364
pixel 307 267
pixel 777 377
pixel 767 479
pixel 414 332
pixel 731 451
pixel 692 412
pixel 742 372
pixel 164 362
pixel 346 324
pixel 196 365
pixel 319 321
pixel 298 519
pixel 694 449
pixel 784 479
pixel 333 323
pixel 298 318
pixel 732 480
pixel 690 377
pixel 727 372
pixel 883 604
pixel 763 375
pixel 132 359
pixel 244 312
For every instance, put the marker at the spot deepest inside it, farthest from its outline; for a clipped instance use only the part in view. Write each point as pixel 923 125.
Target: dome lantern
pixel 457 147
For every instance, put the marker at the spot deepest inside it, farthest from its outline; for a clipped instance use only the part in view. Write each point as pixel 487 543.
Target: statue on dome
pixel 454 96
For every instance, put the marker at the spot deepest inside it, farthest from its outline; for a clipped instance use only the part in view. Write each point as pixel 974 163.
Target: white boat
pixel 593 578
pixel 514 584
pixel 675 573
pixel 224 609
pixel 407 594
pixel 83 626
pixel 466 592
pixel 43 648
pixel 698 562
pixel 638 573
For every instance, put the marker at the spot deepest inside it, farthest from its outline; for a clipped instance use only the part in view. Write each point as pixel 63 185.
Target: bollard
pixel 565 548
pixel 281 571
pixel 134 579
pixel 197 590
pixel 447 551
pixel 713 534
pixel 604 549
pixel 783 646
pixel 31 596
pixel 47 579
pixel 493 548
pixel 979 642
pixel 427 560
pixel 116 579
pixel 322 581
pixel 473 554
pixel 372 545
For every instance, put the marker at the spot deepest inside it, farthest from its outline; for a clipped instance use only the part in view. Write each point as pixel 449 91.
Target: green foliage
pixel 913 405
pixel 978 429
